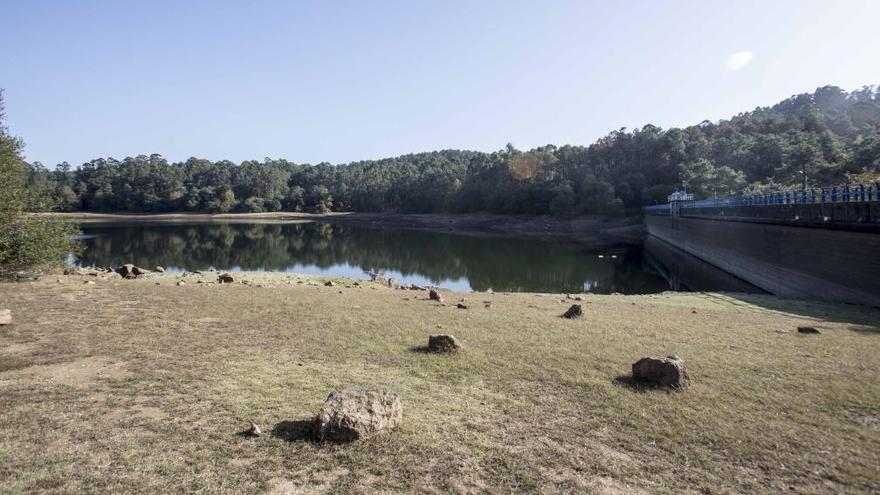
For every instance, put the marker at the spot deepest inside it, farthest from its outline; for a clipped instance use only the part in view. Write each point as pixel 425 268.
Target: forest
pixel 827 137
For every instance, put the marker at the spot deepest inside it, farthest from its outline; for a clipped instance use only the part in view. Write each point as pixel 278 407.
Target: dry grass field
pixel 129 386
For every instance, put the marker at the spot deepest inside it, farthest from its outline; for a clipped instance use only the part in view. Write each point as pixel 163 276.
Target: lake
pixel 454 261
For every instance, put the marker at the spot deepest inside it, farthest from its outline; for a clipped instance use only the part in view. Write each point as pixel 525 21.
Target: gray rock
pixel 443 344
pixel 665 372
pixel 254 430
pixel 160 269
pixel 392 282
pixel 354 414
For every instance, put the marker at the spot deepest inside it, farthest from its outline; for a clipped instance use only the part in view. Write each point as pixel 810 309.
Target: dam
pixel 812 244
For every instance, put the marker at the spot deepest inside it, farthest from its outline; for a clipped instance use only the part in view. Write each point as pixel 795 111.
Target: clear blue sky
pixel 340 81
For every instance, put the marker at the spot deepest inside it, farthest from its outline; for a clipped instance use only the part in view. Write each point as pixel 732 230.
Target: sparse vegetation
pixel 128 386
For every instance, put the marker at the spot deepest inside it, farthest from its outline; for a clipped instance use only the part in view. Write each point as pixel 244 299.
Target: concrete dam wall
pixel 807 251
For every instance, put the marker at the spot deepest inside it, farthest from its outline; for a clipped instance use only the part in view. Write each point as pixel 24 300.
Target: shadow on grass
pixel 421 349
pixel 821 311
pixel 865 329
pixel 294 431
pixel 642 386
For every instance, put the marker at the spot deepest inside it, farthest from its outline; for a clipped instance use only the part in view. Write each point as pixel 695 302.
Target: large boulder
pixel 665 372
pixel 443 344
pixel 354 414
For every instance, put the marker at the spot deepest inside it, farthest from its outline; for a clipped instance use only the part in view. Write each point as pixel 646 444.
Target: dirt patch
pixel 602 485
pixel 19 349
pixel 80 374
pixel 317 483
pixel 869 422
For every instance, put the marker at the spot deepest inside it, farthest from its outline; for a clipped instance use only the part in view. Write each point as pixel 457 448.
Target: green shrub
pixel 28 242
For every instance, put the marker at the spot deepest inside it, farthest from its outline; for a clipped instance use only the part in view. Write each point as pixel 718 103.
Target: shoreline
pixel 590 229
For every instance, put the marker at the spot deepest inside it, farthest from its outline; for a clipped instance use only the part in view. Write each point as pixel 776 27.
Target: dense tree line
pixel 827 137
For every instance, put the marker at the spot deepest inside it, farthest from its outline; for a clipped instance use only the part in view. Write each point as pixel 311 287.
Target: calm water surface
pixel 454 261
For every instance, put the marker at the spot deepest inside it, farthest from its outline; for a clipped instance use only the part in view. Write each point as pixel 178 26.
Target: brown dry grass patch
pixel 128 386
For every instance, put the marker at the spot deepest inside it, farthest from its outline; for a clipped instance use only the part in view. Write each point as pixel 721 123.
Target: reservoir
pixel 451 260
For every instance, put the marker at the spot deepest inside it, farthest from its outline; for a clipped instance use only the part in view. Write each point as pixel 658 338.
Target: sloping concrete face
pixel 832 264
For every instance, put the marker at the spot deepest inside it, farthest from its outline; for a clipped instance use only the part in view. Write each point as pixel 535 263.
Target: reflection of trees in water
pixel 500 264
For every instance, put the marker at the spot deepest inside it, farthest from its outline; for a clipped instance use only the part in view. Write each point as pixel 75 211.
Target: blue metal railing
pixel 834 194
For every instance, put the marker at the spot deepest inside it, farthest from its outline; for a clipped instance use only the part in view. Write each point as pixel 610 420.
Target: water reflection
pixel 458 262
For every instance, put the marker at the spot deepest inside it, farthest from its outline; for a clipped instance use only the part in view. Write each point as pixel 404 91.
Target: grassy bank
pixel 143 385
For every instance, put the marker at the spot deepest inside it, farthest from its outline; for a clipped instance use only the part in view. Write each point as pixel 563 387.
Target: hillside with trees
pixel 826 137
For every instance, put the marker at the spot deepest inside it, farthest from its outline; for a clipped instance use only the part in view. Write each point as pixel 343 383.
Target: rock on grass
pixel 665 372
pixel 443 344
pixel 435 296
pixel 575 311
pixel 355 414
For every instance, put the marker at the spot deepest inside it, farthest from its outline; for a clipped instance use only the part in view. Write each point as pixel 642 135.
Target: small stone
pixel 575 311
pixel 126 270
pixel 225 278
pixel 329 283
pixel 461 306
pixel 353 414
pixel 808 330
pixel 392 282
pixel 443 344
pixel 665 372
pixel 89 282
pixel 181 282
pixel 160 269
pixel 487 304
pixel 140 272
pixel 254 430
pixel 5 317
pixel 435 296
